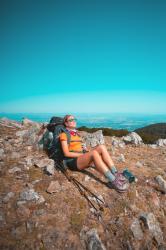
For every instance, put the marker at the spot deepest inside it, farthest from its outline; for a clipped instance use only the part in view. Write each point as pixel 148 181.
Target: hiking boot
pixel 121 177
pixel 118 185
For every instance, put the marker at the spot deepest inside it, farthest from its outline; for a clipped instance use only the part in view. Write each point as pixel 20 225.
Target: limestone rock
pixel 43 163
pixel 161 142
pixel 94 139
pixel 154 146
pixel 121 158
pixel 133 138
pixel 29 194
pixel 54 187
pixel 136 229
pixel 92 240
pixel 116 142
pixel 153 225
pixel 162 183
pixel 138 164
pixel 50 169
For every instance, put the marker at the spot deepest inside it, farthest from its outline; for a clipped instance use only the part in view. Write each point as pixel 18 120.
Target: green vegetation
pixel 149 134
pixel 106 131
pixel 148 138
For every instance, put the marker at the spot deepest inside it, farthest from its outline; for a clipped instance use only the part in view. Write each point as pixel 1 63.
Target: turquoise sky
pixel 83 56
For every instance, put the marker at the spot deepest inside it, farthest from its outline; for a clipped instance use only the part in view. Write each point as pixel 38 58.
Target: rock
pixel 154 146
pixel 14 170
pixel 121 158
pixel 41 199
pixel 54 187
pixel 92 240
pixel 94 139
pixel 44 163
pixel 29 161
pixel 121 144
pixel 40 212
pixel 136 230
pixel 87 178
pixel 161 142
pixel 116 142
pixel 138 164
pixel 162 183
pixel 20 203
pixel 153 225
pixel 8 197
pixel 36 181
pixel 29 194
pixel 50 169
pixel 133 138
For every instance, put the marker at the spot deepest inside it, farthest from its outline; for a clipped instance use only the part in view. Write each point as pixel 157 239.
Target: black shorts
pixel 72 163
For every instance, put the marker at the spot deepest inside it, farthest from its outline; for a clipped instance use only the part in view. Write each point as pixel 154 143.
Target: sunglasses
pixel 71 120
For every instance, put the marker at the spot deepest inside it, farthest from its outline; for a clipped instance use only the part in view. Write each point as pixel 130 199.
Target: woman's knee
pixel 101 147
pixel 94 153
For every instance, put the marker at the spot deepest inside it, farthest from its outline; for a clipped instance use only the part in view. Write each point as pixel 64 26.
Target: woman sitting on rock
pixel 77 159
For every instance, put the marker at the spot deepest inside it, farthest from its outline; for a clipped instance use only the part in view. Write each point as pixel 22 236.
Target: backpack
pixel 52 144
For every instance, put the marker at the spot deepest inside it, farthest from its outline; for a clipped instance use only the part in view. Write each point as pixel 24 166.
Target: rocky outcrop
pixel 161 142
pixel 133 138
pixel 94 139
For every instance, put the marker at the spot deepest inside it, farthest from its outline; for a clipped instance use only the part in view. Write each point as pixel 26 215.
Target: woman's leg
pixel 102 150
pixel 84 161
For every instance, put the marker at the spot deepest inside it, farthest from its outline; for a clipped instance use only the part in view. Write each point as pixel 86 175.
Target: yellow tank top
pixel 75 142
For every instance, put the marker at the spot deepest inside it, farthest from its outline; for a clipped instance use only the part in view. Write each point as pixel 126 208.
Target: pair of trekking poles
pixel 98 204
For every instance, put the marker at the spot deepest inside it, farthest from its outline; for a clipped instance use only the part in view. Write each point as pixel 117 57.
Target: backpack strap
pixel 67 134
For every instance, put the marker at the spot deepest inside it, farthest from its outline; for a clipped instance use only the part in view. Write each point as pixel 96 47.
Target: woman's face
pixel 71 122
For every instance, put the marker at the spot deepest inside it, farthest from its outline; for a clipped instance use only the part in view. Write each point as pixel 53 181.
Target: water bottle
pixel 129 176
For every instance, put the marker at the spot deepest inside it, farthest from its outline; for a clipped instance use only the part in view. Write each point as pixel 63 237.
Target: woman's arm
pixel 66 151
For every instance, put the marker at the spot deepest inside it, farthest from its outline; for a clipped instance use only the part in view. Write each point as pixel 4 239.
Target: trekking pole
pixel 83 194
pixel 98 200
pixel 81 187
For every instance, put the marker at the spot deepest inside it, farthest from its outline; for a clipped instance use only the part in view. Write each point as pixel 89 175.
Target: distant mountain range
pixel 152 132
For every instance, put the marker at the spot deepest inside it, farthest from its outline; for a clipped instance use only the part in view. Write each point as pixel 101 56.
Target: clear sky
pixel 83 56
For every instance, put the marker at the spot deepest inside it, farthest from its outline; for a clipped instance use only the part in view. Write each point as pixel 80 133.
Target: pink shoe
pixel 119 185
pixel 121 177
